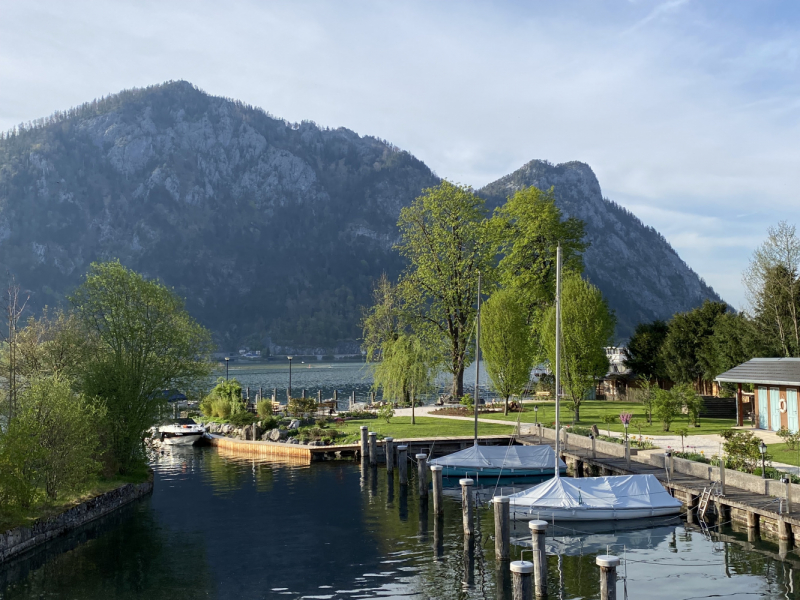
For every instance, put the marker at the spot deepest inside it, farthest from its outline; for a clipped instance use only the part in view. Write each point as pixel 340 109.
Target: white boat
pixel 183 432
pixel 500 461
pixel 610 498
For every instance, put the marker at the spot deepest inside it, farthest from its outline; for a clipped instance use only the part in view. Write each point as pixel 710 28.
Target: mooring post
pixel 336 398
pixel 466 504
pixel 422 474
pixel 248 393
pixel 436 476
pixel 364 442
pixel 319 396
pixel 521 579
pixel 402 464
pixel 304 393
pixel 538 534
pixel 373 448
pixel 594 452
pixel 388 448
pixel 608 576
pixel 274 394
pixel 788 483
pixel 372 397
pixel 260 393
pixel 502 528
pixel 722 475
pixel 353 399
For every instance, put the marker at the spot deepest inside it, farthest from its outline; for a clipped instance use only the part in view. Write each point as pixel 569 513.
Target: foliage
pixel 406 371
pixel 690 400
pixel 382 322
pixel 506 344
pixel 637 425
pixel 298 407
pixel 264 408
pixel 643 352
pixel 790 439
pixel 147 342
pixel 667 406
pixel 243 419
pixel 587 328
pixel 447 241
pixel 683 432
pixel 609 420
pixel 225 400
pixel 742 451
pixel 386 412
pixel 468 401
pixel 645 394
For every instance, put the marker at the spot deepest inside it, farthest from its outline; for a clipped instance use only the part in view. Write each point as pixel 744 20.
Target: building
pixel 775 382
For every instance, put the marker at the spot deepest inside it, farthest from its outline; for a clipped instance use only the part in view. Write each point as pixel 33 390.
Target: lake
pixel 227 528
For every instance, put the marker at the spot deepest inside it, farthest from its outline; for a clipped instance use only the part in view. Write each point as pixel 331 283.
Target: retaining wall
pixel 20 539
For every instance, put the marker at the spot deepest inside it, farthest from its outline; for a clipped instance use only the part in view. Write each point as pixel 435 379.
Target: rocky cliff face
pixel 637 270
pixel 268 229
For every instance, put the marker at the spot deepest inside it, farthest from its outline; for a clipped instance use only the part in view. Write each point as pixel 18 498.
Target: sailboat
pixel 497 461
pixel 608 498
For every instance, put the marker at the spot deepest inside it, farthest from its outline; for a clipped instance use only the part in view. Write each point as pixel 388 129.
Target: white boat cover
pixel 505 457
pixel 620 492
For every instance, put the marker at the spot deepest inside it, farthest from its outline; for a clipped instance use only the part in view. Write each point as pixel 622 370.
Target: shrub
pixel 264 408
pixel 790 439
pixel 243 419
pixel 269 423
pixel 609 420
pixel 300 406
pixel 690 400
pixel 221 407
pixel 666 406
pixel 386 412
pixel 207 406
pixel 742 450
pixel 468 401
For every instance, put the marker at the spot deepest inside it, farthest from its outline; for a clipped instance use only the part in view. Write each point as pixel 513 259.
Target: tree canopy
pixel 643 352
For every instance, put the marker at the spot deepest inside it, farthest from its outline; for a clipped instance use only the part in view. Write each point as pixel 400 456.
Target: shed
pixel 776 382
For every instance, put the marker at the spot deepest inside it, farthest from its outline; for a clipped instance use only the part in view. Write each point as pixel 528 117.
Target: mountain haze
pixel 270 230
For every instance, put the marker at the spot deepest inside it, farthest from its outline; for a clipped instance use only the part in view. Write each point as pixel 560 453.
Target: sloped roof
pixel 774 371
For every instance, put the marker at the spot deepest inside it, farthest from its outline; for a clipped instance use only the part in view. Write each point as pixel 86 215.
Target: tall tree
pixel 382 322
pixel 643 353
pixel 447 241
pixel 405 371
pixel 530 227
pixel 506 344
pixel 147 343
pixel 587 327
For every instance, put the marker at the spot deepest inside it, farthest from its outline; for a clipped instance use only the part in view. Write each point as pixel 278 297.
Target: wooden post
pixel 594 452
pixel 260 393
pixel 466 504
pixel 502 528
pixel 436 476
pixel 538 534
pixel 372 397
pixel 274 394
pixel 335 396
pixel 722 475
pixel 319 396
pixel 788 482
pixel 521 579
pixel 304 393
pixel 373 448
pixel 438 537
pixel 628 453
pixel 422 473
pixel 388 448
pixel 739 406
pixel 364 442
pixel 608 576
pixel 402 464
pixel 248 393
pixel 353 399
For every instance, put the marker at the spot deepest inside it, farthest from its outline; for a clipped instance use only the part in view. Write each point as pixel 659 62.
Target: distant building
pixel 619 377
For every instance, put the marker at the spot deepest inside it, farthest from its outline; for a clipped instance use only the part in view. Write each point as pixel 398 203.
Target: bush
pixel 666 406
pixel 264 408
pixel 358 414
pixel 386 412
pixel 207 406
pixel 269 423
pixel 742 450
pixel 243 419
pixel 790 439
pixel 690 400
pixel 468 401
pixel 298 407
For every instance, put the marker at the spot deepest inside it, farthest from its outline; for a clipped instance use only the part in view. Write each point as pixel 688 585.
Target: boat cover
pixel 618 492
pixel 502 457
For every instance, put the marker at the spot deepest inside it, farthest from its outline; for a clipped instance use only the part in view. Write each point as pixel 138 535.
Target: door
pixel 762 408
pixel 791 410
pixel 775 408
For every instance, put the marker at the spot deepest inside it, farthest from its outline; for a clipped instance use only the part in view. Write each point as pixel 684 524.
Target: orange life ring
pixel 782 405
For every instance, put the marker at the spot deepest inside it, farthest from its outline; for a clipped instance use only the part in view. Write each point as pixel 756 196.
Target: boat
pixel 500 461
pixel 611 498
pixel 182 432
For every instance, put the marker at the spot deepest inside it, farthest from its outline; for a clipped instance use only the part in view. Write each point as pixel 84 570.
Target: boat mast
pixel 558 353
pixel 477 355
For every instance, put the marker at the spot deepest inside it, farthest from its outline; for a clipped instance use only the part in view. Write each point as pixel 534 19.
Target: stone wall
pixel 20 539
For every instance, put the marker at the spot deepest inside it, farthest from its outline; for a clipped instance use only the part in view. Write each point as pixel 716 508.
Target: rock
pixel 295 424
pixel 276 435
pixel 294 441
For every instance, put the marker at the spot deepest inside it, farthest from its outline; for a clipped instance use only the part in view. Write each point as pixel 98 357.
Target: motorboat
pixel 610 498
pixel 500 461
pixel 182 432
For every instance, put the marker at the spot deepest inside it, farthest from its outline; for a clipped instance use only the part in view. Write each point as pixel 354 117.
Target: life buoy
pixel 782 405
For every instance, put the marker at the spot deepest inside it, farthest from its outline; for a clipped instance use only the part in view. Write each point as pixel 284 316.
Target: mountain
pixel 273 231
pixel 639 273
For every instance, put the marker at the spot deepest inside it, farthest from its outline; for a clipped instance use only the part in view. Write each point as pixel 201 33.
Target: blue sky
pixel 688 112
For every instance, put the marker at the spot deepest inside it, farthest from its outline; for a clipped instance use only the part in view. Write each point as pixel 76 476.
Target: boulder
pixel 276 435
pixel 295 424
pixel 294 440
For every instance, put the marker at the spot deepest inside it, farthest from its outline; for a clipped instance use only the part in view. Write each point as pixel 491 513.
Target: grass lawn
pixel 781 453
pixel 592 412
pixel 401 427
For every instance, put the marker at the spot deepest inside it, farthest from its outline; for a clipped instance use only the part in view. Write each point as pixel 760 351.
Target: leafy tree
pixel 645 394
pixel 529 227
pixel 666 407
pixel 690 400
pixel 405 372
pixel 447 241
pixel 736 339
pixel 506 344
pixel 225 399
pixel 383 321
pixel 147 342
pixel 587 327
pixel 643 353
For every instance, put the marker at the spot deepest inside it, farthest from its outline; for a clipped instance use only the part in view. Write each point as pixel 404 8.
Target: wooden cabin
pixel 776 387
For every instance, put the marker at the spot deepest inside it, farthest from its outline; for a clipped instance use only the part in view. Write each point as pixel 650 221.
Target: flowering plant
pixel 625 418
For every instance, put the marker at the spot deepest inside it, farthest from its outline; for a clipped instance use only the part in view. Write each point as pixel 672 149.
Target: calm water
pixel 220 527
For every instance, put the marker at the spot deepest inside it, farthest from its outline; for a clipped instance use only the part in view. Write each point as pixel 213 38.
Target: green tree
pixel 405 372
pixel 506 344
pixel 587 327
pixel 147 342
pixel 447 241
pixel 735 340
pixel 383 321
pixel 643 352
pixel 666 407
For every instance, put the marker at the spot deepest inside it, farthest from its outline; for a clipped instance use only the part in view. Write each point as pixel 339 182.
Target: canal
pixel 222 527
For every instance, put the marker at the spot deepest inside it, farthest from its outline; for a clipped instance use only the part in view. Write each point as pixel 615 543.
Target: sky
pixel 688 112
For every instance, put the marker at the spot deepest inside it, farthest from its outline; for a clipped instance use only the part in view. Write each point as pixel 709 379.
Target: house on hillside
pixel 775 382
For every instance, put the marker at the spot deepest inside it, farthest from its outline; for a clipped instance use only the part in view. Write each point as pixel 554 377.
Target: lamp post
pixel 227 360
pixel 763 449
pixel 536 413
pixel 290 376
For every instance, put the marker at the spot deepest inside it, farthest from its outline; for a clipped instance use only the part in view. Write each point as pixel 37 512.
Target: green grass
pixel 592 412
pixel 781 453
pixel 401 427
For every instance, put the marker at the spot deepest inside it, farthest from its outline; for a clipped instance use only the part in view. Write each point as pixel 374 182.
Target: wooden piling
pixel 594 452
pixel 722 476
pixel 608 576
pixel 422 473
pixel 502 528
pixel 274 394
pixel 353 399
pixel 467 504
pixel 438 499
pixel 538 533
pixel 388 447
pixel 628 452
pixel 521 580
pixel 364 442
pixel 336 398
pixel 373 448
pixel 319 396
pixel 402 464
pixel 304 393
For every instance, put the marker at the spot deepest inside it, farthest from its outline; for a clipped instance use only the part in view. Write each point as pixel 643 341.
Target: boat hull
pixel 453 471
pixel 528 513
pixel 181 439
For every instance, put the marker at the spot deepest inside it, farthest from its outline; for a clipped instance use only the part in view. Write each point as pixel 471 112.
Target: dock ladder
pixel 705 498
